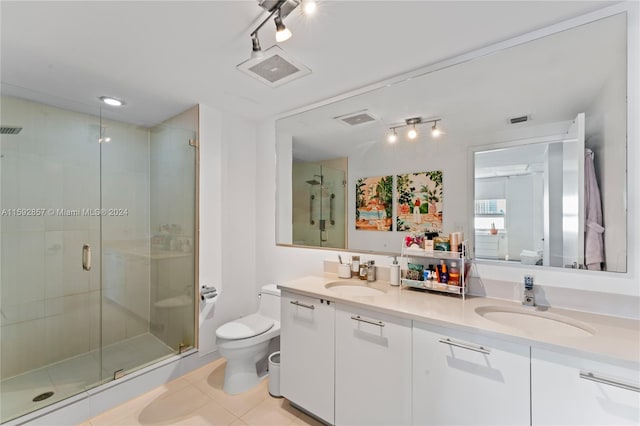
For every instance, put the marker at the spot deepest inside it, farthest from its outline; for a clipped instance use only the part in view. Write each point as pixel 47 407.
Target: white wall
pixel 230 181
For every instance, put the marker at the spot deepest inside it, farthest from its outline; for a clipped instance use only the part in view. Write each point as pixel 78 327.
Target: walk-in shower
pixel 319 197
pixel 98 246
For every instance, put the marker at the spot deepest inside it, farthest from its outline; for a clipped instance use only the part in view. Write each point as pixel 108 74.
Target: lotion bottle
pixel 394 279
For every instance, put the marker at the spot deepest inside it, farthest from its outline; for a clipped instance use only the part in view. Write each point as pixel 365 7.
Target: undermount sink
pixel 535 321
pixel 351 288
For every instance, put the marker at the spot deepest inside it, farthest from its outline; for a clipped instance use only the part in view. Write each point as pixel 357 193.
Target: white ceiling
pixel 164 56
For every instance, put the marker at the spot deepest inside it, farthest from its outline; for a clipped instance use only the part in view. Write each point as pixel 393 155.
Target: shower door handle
pixel 311 221
pixel 332 209
pixel 86 257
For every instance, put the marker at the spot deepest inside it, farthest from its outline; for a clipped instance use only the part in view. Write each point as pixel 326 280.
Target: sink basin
pixel 350 288
pixel 534 321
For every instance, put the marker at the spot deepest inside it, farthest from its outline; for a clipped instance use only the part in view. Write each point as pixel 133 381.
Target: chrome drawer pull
pixel 368 321
pixel 590 376
pixel 295 302
pixel 465 346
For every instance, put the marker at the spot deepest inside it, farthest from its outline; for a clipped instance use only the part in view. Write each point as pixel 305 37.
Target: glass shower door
pixel 50 252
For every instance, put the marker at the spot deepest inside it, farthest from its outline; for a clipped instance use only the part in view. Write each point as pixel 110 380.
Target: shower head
pixel 315 181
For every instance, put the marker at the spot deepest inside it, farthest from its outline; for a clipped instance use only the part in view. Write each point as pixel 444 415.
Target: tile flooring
pixel 198 399
pixel 75 375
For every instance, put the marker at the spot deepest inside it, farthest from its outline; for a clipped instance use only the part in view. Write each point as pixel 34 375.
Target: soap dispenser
pixel 395 272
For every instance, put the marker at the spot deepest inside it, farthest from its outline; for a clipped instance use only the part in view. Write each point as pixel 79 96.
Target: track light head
pixel 413 133
pixel 393 137
pixel 435 131
pixel 256 50
pixel 282 32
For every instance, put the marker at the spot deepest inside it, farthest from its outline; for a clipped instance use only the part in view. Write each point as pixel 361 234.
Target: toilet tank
pixel 270 301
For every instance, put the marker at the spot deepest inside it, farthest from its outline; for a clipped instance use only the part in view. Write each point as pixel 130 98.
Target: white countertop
pixel 615 339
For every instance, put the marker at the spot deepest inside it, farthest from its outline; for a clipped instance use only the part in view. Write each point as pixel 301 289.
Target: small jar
pixel 355 266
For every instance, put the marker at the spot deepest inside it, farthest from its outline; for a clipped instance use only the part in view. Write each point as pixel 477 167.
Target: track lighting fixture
pixel 280 9
pixel 413 131
pixel 256 50
pixel 282 32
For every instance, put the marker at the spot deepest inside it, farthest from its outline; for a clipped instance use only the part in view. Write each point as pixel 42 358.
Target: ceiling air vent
pixel 357 118
pixel 10 130
pixel 520 119
pixel 274 68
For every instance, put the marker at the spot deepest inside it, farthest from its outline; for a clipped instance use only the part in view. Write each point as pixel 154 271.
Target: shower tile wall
pixel 50 307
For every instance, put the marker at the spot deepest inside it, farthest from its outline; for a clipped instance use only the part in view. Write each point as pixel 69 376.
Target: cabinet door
pixel 576 391
pixel 461 378
pixel 307 353
pixel 373 368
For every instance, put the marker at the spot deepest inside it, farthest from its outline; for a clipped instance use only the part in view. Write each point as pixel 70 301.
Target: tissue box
pixel 529 258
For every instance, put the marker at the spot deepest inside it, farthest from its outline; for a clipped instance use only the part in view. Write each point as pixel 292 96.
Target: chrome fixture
pixel 282 32
pixel 256 50
pixel 528 299
pixel 281 9
pixel 413 131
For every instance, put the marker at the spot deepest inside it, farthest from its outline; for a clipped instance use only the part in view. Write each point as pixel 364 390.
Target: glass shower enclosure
pixel 319 201
pixel 98 246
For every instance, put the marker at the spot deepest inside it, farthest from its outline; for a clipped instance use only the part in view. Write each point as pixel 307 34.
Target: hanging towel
pixel 593 238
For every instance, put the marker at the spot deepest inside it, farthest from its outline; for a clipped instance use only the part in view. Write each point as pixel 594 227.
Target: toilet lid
pixel 244 327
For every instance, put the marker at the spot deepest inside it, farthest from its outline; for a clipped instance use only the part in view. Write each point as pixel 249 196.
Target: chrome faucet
pixel 528 299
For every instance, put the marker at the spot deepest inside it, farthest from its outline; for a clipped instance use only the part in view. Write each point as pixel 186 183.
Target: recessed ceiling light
pixel 111 101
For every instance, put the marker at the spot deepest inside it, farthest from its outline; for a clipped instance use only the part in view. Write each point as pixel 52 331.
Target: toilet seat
pixel 245 327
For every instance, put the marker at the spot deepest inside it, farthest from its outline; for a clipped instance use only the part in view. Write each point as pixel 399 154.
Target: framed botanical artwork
pixel 419 202
pixel 374 203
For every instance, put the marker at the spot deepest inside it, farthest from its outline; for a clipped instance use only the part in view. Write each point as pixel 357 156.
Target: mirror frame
pixel 494 269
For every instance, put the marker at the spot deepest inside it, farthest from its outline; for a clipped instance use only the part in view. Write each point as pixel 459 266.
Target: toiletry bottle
pixel 443 273
pixel 454 274
pixel 355 266
pixel 362 274
pixel 394 279
pixel 433 275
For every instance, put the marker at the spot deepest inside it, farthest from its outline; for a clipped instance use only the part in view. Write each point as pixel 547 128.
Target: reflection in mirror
pixel 319 203
pixel 529 201
pixel 526 96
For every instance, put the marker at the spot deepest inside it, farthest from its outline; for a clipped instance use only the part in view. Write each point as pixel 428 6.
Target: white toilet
pixel 245 341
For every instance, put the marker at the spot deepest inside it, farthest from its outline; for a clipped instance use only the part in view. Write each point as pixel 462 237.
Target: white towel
pixel 593 230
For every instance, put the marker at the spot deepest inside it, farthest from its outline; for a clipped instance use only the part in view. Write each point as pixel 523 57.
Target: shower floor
pixel 77 374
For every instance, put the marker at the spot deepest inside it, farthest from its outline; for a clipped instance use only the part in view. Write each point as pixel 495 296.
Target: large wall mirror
pixel 527 130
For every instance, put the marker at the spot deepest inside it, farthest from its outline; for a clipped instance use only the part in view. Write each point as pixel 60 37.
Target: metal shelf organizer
pixel 411 254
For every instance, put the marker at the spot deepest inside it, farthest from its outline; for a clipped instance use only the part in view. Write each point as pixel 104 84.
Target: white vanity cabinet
pixel 574 390
pixel 307 353
pixel 461 378
pixel 373 368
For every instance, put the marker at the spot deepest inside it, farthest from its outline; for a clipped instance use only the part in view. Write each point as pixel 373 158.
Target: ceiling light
pixel 256 50
pixel 309 7
pixel 413 133
pixel 393 137
pixel 282 32
pixel 111 101
pixel 435 131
